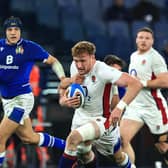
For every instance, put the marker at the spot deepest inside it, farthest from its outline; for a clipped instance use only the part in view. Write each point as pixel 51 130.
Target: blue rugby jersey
pixel 16 62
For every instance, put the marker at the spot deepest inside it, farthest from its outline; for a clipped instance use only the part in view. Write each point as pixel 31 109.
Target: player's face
pixel 84 63
pixel 144 41
pixel 13 35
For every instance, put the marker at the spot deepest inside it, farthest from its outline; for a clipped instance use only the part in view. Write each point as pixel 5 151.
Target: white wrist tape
pixel 121 105
pixel 144 83
pixel 58 69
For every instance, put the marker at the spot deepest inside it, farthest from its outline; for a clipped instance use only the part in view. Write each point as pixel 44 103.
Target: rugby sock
pixel 67 161
pixel 2 157
pixel 126 163
pixel 50 141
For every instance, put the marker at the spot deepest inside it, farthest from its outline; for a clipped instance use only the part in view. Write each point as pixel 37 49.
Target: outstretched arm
pixel 56 66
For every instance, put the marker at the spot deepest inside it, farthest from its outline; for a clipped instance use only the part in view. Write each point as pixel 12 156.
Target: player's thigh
pixel 129 128
pixel 93 129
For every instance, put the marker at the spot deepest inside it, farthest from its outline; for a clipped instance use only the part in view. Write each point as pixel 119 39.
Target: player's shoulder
pixel 154 52
pixel 29 42
pixel 133 54
pixel 99 64
pixel 2 41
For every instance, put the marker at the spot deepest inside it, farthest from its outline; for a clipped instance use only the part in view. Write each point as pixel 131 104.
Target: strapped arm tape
pixel 58 69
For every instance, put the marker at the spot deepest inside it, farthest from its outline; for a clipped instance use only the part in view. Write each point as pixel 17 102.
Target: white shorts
pixel 25 102
pixel 109 143
pixel 151 117
pixel 109 139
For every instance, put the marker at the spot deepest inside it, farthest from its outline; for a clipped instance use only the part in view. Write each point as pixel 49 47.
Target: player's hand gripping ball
pixel 76 90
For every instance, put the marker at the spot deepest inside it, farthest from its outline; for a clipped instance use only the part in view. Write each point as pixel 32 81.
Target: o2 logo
pixel 86 93
pixel 9 59
pixel 133 72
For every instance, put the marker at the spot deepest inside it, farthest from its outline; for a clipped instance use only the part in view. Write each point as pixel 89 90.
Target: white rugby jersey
pixel 94 83
pixel 145 67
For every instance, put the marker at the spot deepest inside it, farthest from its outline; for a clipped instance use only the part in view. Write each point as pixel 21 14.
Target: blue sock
pixel 67 161
pixel 50 141
pixel 2 157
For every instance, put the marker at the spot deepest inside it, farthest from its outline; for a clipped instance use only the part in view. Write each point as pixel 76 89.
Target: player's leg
pixel 25 131
pixel 13 115
pixel 86 155
pixel 122 159
pixel 7 127
pixel 109 145
pixel 89 131
pixel 128 129
pixel 28 136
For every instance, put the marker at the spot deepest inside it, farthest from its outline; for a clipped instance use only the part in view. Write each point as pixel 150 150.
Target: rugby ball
pixel 76 89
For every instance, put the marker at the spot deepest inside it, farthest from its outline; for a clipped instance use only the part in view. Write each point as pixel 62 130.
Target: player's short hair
pixel 146 29
pixel 12 22
pixel 113 59
pixel 83 47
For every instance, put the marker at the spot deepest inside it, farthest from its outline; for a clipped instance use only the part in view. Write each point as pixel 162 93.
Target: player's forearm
pixel 65 82
pixel 56 66
pixel 160 82
pixel 133 86
pixel 131 92
pixel 114 101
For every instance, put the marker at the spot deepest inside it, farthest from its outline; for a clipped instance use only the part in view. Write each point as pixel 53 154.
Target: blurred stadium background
pixel 57 25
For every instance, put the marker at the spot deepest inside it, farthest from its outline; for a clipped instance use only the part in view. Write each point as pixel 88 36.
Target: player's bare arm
pixel 161 81
pixel 133 87
pixel 56 66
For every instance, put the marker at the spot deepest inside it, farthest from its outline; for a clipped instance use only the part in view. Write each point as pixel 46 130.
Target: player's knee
pixel 88 131
pixel 74 138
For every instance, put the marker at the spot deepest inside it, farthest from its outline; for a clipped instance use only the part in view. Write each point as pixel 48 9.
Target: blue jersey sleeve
pixel 37 53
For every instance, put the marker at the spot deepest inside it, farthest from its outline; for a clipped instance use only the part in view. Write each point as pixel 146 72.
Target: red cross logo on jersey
pixel 93 78
pixel 143 62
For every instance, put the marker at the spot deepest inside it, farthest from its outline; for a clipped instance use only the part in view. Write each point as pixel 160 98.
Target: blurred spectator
pixel 147 11
pixel 117 11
